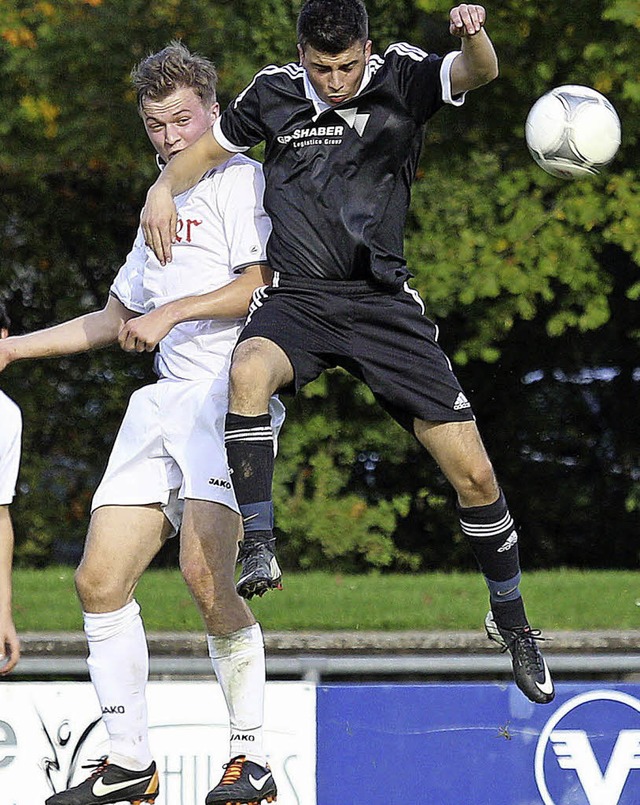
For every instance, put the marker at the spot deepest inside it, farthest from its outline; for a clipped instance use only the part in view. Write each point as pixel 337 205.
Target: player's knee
pixel 478 486
pixel 249 383
pixel 97 590
pixel 246 374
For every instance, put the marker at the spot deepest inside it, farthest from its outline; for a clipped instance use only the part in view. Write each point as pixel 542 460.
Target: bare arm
pixel 477 63
pixel 9 643
pixel 86 332
pixel 229 302
pixel 158 219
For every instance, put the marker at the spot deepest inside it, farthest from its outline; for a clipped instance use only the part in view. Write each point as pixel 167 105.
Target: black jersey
pixel 338 178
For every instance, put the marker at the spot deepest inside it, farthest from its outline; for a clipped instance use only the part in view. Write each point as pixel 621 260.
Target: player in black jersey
pixel 343 131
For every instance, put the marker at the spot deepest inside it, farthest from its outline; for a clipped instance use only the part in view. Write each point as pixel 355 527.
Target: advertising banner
pixel 50 731
pixel 478 744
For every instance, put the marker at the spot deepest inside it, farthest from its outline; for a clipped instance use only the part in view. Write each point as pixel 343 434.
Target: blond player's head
pixel 176 94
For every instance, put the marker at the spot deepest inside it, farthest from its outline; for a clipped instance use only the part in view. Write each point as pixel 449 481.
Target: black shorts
pixel 381 337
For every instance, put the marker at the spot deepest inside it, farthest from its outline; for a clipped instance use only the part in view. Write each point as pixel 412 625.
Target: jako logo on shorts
pixel 588 752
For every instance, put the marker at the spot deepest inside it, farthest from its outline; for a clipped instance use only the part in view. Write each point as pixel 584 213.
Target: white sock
pixel 119 668
pixel 239 664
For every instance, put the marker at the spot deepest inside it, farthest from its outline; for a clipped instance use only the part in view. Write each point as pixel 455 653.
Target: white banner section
pixel 50 730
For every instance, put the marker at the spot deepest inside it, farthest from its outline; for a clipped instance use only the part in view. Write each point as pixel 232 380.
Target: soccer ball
pixel 572 131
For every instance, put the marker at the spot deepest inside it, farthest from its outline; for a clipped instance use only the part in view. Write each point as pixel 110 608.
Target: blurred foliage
pixel 534 281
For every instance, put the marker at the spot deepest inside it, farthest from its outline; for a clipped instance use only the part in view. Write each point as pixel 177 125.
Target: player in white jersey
pixel 10 435
pixel 168 468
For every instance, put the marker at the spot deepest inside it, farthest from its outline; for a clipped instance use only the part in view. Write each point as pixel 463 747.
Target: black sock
pixel 249 443
pixel 494 542
pixel 509 614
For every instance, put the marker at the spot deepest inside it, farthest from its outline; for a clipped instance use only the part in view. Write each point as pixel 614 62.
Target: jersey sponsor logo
pixel 354 119
pixel 327 135
pixel 314 135
pixel 220 482
pixel 591 744
pixel 184 229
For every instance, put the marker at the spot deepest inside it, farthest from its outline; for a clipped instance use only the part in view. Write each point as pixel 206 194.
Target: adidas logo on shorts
pixel 461 402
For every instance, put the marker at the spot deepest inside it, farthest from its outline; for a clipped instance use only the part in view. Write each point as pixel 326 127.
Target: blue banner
pixel 477 744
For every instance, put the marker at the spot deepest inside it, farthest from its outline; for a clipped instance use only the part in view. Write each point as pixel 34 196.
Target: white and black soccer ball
pixel 572 131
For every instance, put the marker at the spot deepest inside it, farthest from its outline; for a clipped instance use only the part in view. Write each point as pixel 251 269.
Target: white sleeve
pixel 127 286
pixel 246 225
pixel 445 78
pixel 222 140
pixel 10 442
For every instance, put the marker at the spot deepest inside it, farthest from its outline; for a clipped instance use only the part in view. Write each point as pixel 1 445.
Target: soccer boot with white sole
pixel 529 668
pixel 260 569
pixel 110 783
pixel 244 783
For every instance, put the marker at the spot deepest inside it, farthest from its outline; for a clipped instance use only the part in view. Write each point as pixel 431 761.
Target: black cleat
pixel 260 569
pixel 529 668
pixel 243 783
pixel 109 784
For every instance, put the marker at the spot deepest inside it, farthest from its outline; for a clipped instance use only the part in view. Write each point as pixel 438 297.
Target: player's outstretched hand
pixel 9 647
pixel 159 221
pixel 143 333
pixel 466 20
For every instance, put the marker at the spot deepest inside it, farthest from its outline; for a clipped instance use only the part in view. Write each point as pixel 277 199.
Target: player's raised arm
pixel 477 63
pixel 158 219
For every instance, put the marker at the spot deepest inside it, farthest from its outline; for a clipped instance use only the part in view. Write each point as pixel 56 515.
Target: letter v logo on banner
pixel 595 719
pixel 574 751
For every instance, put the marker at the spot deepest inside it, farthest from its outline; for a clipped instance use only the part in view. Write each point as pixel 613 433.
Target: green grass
pixel 44 600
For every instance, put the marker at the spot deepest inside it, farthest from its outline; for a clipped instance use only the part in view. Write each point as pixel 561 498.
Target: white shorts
pixel 170 446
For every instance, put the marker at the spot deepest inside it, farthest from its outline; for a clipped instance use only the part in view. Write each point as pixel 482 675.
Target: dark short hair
pixel 331 26
pixel 5 321
pixel 172 68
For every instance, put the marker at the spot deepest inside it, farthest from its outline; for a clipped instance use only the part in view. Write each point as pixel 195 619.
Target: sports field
pixel 44 600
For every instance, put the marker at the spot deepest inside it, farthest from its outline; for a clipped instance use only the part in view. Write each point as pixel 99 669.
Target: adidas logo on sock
pixel 461 402
pixel 510 542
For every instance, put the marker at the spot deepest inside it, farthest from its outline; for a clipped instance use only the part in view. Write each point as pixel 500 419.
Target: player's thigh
pixel 460 453
pixel 120 544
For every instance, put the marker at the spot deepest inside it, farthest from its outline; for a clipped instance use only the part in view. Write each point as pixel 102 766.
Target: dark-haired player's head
pixel 333 46
pixel 5 321
pixel 332 26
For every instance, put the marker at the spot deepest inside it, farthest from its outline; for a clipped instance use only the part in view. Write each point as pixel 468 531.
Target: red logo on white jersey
pixel 187 226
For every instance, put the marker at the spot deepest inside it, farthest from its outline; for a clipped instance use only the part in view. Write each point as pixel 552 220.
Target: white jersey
pixel 222 229
pixel 10 437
